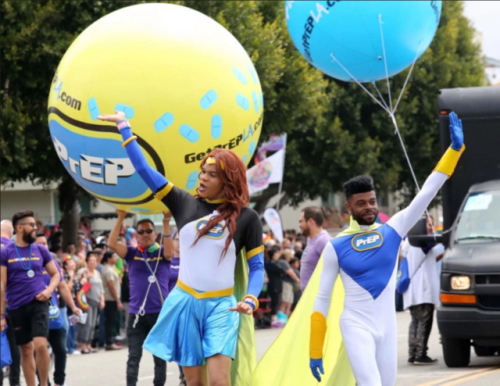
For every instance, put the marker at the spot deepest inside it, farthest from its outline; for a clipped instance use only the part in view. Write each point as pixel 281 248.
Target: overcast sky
pixel 485 16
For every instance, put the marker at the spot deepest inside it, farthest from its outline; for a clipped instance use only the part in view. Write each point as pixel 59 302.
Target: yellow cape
pixel 286 363
pixel 246 355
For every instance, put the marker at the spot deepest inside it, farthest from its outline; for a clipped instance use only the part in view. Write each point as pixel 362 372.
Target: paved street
pixel 108 368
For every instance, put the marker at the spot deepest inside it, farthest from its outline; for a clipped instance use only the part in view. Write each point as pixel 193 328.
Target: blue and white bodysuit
pixel 367 262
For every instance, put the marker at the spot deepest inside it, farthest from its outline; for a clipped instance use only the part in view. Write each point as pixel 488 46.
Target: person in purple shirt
pixel 148 272
pixel 22 281
pixel 311 226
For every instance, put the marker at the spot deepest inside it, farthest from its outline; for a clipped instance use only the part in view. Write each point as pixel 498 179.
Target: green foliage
pixel 335 130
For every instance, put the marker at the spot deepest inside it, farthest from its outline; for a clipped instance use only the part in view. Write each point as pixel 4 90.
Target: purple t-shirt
pixel 139 273
pixel 22 289
pixel 5 242
pixel 311 255
pixel 174 273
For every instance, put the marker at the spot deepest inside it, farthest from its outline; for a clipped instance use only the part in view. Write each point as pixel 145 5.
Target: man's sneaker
pixel 76 352
pixel 411 360
pixel 425 360
pixel 120 337
pixel 276 324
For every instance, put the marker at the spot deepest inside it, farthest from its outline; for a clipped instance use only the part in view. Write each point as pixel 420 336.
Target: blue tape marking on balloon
pixel 189 133
pixel 251 147
pixel 242 101
pixel 93 108
pixel 255 101
pixel 164 122
pixel 244 158
pixel 261 100
pixel 216 126
pixel 192 180
pixel 129 111
pixel 208 99
pixel 144 210
pixel 240 76
pixel 252 74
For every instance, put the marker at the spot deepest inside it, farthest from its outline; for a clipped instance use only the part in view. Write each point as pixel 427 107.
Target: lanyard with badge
pixel 151 279
pixel 27 268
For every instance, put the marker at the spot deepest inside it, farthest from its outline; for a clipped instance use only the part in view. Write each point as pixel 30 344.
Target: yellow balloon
pixel 185 83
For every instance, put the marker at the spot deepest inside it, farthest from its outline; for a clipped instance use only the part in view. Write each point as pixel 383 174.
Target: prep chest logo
pixel 367 241
pixel 217 232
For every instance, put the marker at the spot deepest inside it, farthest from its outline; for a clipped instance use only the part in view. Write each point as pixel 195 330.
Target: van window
pixel 480 218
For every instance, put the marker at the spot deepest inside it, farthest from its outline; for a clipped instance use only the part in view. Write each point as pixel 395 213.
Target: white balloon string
pixel 407 78
pixel 380 95
pixel 385 61
pixel 391 114
pixel 394 121
pixel 360 85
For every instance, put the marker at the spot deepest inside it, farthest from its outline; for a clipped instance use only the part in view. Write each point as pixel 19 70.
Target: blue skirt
pixel 189 330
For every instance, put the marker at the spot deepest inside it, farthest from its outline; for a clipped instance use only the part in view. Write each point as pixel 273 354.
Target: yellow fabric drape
pixel 286 363
pixel 246 354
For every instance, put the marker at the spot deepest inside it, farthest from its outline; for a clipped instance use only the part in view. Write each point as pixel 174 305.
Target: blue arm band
pixel 151 177
pixel 256 274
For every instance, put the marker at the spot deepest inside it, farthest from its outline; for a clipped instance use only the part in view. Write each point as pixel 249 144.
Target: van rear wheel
pixel 456 352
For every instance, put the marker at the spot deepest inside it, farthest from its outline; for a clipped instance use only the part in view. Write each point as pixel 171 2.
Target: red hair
pixel 234 178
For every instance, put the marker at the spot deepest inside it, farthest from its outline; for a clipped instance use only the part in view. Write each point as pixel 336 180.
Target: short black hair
pixel 90 254
pixel 41 234
pixel 144 221
pixel 359 184
pixel 20 215
pixel 108 255
pixel 315 213
pixel 273 250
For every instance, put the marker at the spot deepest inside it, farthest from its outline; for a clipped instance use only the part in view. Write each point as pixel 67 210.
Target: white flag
pixel 267 171
pixel 273 219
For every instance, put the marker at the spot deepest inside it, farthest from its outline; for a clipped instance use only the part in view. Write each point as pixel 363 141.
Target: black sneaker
pixel 411 359
pixel 425 360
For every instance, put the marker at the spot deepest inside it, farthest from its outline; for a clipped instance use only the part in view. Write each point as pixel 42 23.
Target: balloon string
pixel 360 85
pixel 407 78
pixel 392 116
pixel 380 95
pixel 385 61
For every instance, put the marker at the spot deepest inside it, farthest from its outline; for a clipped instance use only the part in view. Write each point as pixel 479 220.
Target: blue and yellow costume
pixel 365 257
pixel 195 322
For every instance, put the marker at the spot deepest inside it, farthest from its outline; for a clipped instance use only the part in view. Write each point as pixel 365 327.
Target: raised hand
pixel 116 117
pixel 121 214
pixel 456 131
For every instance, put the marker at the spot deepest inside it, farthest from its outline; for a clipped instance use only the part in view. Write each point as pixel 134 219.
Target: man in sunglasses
pixel 22 281
pixel 149 271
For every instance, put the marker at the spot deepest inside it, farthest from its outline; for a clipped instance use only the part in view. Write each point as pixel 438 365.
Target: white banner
pixel 268 171
pixel 273 219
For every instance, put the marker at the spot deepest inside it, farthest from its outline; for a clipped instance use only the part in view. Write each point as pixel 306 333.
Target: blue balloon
pixel 349 32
